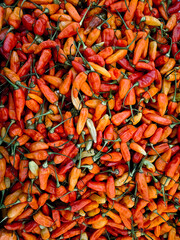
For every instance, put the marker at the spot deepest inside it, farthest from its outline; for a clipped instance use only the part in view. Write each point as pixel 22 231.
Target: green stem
pixel 122 20
pixel 82 20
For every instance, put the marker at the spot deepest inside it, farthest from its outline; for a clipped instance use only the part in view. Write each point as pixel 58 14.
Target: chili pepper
pixel 142 185
pixel 174 8
pixel 124 87
pixel 66 152
pixel 77 83
pixel 40 218
pixel 107 36
pixel 73 178
pixel 14 226
pixel 9 42
pixel 72 12
pixel 3 113
pixel 65 86
pixel 119 6
pixel 56 217
pixel 125 64
pixel 96 59
pixel 112 157
pixel 44 59
pixel 14 62
pixel 39 26
pixel 78 67
pixel 140 46
pixel 28 21
pixel 172 166
pixel 16 210
pixel 63 229
pixel 82 120
pixel 118 118
pixel 1 17
pixel 158 119
pixel 120 54
pixel 36 136
pixel 44 173
pixel 97 186
pixel 162 103
pixel 129 15
pixel 175 39
pixel 110 187
pixel 30 226
pixel 94 81
pixel 15 18
pixel 38 155
pixel 3 167
pixel 26 67
pixel 51 96
pixel 69 31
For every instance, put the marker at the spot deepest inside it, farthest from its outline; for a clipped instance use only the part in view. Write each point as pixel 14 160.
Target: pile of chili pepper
pixel 89 119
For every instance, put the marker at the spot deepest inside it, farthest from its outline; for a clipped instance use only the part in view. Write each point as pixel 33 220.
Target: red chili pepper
pixel 160 61
pixel 118 102
pixel 174 8
pixel 23 170
pixel 40 26
pixel 107 87
pixel 94 81
pixel 178 134
pixel 19 100
pixel 36 136
pixel 63 229
pixel 175 39
pixel 66 153
pixel 177 15
pixel 172 166
pixel 158 119
pixel 120 6
pixel 68 166
pixel 97 186
pixel 164 49
pixel 3 113
pixel 135 76
pixel 28 21
pixel 142 185
pixel 78 67
pixel 147 79
pixel 20 53
pixel 9 42
pixel 24 70
pixel 124 63
pixel 43 60
pixel 69 31
pixel 41 128
pixel 88 52
pixel 30 226
pixel 48 93
pixel 56 217
pixel 96 59
pixel 108 36
pixel 14 226
pixel 109 133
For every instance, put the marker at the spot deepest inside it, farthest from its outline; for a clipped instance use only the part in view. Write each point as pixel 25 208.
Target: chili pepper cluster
pixel 89 119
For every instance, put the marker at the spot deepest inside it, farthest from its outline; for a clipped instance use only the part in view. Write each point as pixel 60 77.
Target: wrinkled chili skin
pixel 147 79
